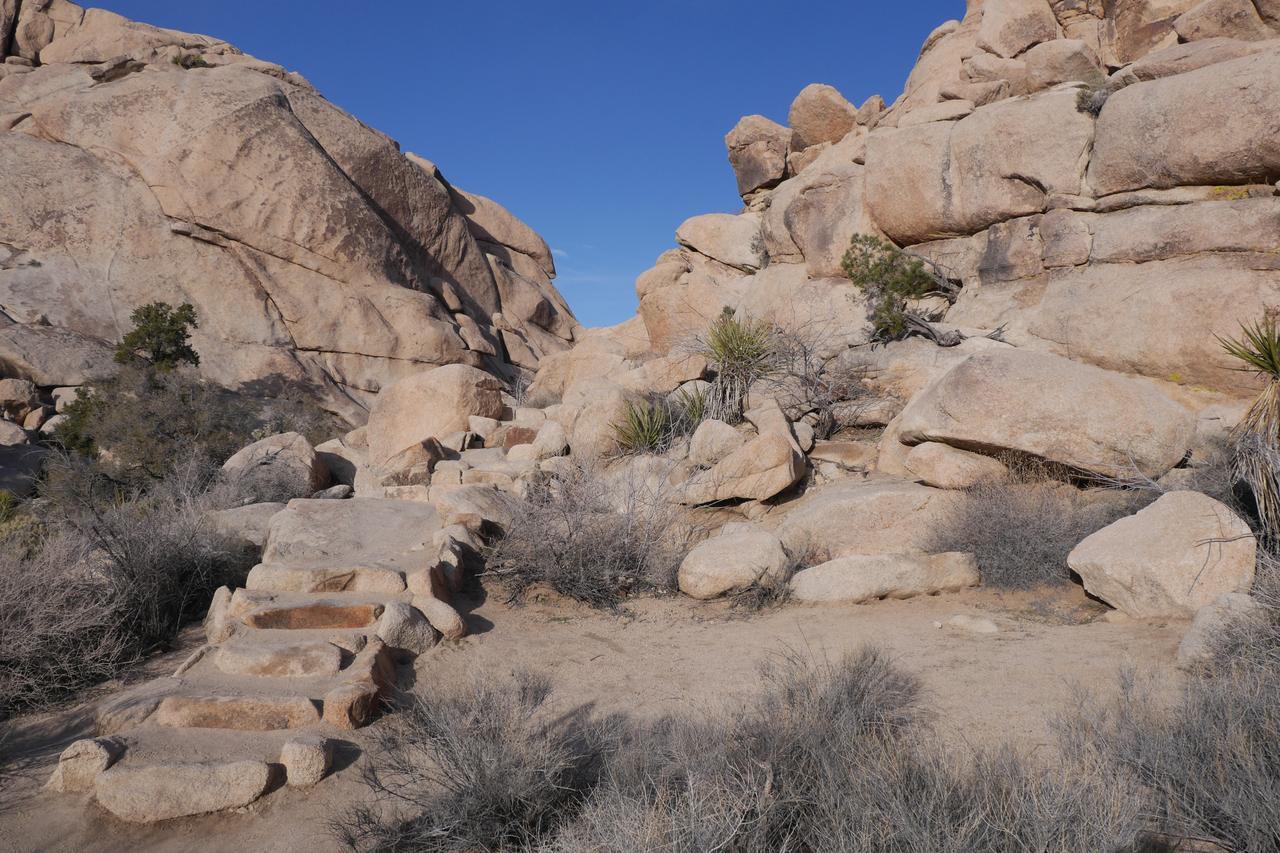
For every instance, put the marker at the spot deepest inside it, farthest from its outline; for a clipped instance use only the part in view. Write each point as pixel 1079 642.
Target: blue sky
pixel 599 123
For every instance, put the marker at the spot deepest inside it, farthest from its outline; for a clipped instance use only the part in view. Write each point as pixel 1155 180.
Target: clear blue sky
pixel 599 123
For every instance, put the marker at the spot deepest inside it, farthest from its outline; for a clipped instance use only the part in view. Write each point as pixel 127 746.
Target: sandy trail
pixel 664 656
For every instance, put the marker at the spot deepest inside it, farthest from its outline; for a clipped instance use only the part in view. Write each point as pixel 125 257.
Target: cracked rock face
pixel 149 165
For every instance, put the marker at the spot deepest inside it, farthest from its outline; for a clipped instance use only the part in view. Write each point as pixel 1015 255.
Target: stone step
pixel 150 793
pixel 243 713
pixel 282 578
pixel 306 659
pixel 315 614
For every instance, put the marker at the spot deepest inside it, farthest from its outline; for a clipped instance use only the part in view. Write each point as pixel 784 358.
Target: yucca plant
pixel 645 428
pixel 740 352
pixel 688 408
pixel 1256 439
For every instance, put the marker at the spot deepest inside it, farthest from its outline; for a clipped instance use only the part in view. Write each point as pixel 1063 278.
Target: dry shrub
pixel 595 534
pixel 472 769
pixel 106 577
pixel 1021 530
pixel 832 756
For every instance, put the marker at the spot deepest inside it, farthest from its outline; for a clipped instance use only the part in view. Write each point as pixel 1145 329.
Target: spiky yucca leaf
pixel 645 428
pixel 1256 456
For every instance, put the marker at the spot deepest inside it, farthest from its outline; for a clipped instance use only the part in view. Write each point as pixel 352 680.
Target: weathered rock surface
pixel 758 152
pixel 732 562
pixel 860 578
pixel 427 405
pixel 1212 623
pixel 759 470
pixel 287 457
pixel 880 515
pixel 162 792
pixel 1170 559
pixel 313 249
pixel 1052 408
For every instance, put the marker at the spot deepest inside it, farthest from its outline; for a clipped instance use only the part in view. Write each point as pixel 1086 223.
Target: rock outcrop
pixel 315 251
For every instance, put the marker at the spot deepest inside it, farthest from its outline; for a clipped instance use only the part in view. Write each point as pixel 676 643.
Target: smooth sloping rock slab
pixel 860 578
pixel 331 579
pixel 368 532
pixel 245 713
pixel 162 792
pixel 293 660
pixel 1053 408
pixel 1170 559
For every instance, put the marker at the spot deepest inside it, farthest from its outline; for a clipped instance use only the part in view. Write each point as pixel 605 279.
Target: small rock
pixel 859 578
pixel 733 561
pixel 334 493
pixel 404 628
pixel 306 760
pixel 712 441
pixel 946 467
pixel 80 764
pixel 350 706
pixel 11 434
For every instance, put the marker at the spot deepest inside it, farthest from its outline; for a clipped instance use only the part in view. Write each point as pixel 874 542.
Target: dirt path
pixel 668 656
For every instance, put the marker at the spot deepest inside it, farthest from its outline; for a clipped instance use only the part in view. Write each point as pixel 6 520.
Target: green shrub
pixel 645 428
pixel 1255 460
pixel 888 277
pixel 741 352
pixel 160 337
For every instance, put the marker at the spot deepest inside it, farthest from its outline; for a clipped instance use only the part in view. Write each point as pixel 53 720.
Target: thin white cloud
pixel 559 253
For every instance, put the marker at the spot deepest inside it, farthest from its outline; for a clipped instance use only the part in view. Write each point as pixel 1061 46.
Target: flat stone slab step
pixel 251 713
pixel 370 532
pixel 150 793
pixel 328 579
pixel 317 614
pixel 306 659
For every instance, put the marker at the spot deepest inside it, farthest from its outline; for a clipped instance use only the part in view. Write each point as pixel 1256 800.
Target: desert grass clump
pixel 595 534
pixel 741 352
pixel 1020 529
pixel 645 428
pixel 1255 461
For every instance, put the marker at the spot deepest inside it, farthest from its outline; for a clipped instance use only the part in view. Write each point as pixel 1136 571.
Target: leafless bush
pixel 107 577
pixel 594 534
pixel 1020 530
pixel 474 769
pixel 832 756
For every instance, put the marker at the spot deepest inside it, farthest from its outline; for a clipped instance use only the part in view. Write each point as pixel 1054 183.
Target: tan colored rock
pixel 323 534
pixel 1237 19
pixel 431 404
pixel 319 614
pixel 1000 162
pixel 80 764
pixel 712 441
pixel 731 240
pixel 490 222
pixel 243 713
pixel 819 114
pixel 946 467
pixel 306 760
pixel 288 453
pixel 599 405
pixel 1181 58
pixel 1061 61
pixel 733 562
pixel 405 628
pixel 953 110
pixel 878 515
pixel 758 152
pixel 854 455
pixel 1011 26
pixel 862 578
pixel 759 470
pixel 1212 622
pixel 291 660
pixel 1210 126
pixel 11 434
pixel 1170 559
pixel 146 794
pixel 18 398
pixel 693 294
pixel 1052 408
pixel 351 706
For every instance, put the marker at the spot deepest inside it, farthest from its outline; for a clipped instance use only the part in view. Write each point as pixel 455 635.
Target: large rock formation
pixel 144 164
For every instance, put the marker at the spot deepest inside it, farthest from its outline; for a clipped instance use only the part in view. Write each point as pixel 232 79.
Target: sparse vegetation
pixel 593 535
pixel 103 577
pixel 160 337
pixel 1020 530
pixel 890 279
pixel 741 352
pixel 1255 461
pixel 645 427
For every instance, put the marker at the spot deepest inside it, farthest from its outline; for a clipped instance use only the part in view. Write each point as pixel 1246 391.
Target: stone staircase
pixel 308 650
